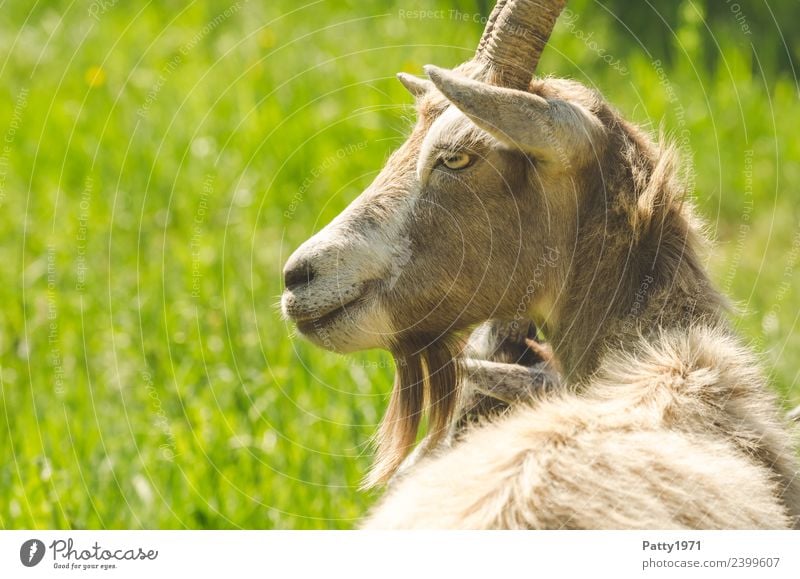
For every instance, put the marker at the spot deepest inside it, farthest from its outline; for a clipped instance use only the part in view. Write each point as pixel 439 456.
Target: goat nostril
pixel 301 273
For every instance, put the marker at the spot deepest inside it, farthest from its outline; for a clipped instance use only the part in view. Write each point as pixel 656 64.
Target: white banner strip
pixel 353 555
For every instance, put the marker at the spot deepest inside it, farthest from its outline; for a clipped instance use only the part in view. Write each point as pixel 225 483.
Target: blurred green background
pixel 159 162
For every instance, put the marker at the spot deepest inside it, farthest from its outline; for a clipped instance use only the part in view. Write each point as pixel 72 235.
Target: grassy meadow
pixel 160 161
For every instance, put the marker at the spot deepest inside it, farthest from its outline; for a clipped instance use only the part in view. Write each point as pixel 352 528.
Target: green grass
pixel 162 164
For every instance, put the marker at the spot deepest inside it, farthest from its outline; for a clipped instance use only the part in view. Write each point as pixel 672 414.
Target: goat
pixel 534 200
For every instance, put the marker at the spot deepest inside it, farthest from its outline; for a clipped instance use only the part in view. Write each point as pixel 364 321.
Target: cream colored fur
pixel 663 439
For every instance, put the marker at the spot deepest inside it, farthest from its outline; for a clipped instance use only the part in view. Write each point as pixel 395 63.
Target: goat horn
pixel 515 35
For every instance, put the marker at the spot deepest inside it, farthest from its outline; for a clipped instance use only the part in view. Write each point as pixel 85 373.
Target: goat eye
pixel 456 161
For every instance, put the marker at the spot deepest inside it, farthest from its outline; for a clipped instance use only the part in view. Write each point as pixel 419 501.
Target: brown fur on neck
pixel 636 261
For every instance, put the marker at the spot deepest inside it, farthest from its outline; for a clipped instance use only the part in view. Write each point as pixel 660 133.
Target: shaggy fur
pixel 671 437
pixel 505 366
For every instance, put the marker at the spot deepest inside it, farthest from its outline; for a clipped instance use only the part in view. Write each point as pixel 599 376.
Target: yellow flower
pixel 266 37
pixel 95 76
pixel 410 67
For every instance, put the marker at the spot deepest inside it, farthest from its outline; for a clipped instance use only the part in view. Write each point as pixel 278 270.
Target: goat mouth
pixel 352 309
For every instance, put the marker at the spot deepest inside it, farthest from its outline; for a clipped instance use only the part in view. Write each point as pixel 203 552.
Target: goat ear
pixel 549 129
pixel 416 86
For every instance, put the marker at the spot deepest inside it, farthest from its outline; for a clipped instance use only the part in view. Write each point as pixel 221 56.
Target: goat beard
pixel 427 372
